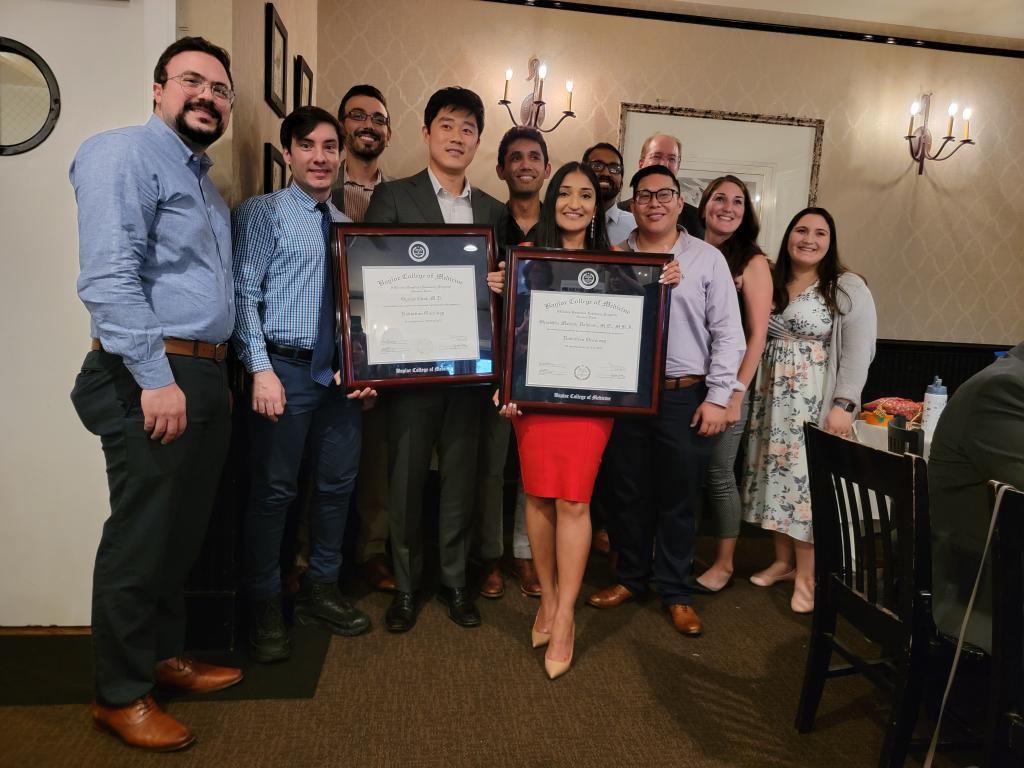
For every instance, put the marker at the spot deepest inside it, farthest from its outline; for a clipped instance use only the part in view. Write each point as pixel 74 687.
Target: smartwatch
pixel 846 405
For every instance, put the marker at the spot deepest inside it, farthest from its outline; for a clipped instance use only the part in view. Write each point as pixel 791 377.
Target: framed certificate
pixel 414 304
pixel 585 331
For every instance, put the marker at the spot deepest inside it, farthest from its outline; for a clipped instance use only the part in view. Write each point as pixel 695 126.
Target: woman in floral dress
pixel 821 339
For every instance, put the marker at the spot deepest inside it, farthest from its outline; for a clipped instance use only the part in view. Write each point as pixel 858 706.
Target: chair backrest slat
pixel 903 440
pixel 851 486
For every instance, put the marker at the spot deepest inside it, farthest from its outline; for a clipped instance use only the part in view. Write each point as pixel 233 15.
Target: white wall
pixel 53 494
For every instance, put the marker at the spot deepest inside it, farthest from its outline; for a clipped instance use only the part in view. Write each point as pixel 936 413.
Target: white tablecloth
pixel 878 437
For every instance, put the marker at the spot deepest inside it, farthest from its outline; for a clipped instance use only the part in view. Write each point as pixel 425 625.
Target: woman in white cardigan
pixel 821 339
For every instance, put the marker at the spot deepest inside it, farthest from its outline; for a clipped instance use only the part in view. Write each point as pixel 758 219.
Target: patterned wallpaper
pixel 942 252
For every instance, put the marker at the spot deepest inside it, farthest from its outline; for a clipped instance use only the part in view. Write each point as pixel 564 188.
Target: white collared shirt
pixel 454 210
pixel 619 223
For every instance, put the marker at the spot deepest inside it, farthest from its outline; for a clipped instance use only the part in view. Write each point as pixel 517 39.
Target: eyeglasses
pixel 657 158
pixel 665 195
pixel 193 85
pixel 359 116
pixel 613 168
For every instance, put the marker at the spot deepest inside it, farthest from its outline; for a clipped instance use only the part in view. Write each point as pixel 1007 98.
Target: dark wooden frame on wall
pixel 302 72
pixel 277 101
pixel 272 159
pixel 742 117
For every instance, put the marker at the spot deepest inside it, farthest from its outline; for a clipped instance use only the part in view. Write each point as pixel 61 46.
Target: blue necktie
pixel 326 355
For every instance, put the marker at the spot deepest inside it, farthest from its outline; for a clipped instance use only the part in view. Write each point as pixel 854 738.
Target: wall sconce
pixel 531 113
pixel 919 140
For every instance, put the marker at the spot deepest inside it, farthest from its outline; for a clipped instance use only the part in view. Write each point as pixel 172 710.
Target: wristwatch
pixel 846 405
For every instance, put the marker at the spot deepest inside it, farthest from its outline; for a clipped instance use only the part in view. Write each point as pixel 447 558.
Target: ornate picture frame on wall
pixel 275 62
pixel 275 173
pixel 303 86
pixel 778 157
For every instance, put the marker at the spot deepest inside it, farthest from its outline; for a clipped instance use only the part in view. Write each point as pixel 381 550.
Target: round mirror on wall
pixel 29 98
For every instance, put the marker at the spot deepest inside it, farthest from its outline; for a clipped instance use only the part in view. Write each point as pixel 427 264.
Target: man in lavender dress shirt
pixel 656 466
pixel 155 251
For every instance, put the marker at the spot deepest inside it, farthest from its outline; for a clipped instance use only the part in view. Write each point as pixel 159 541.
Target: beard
pixel 201 136
pixel 611 192
pixel 363 151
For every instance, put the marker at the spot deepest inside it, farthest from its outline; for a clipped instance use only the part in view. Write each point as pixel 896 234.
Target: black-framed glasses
pixel 360 116
pixel 193 85
pixel 663 195
pixel 597 166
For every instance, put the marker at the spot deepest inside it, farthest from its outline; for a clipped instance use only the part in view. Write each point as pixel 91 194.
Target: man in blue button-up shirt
pixel 287 338
pixel 155 253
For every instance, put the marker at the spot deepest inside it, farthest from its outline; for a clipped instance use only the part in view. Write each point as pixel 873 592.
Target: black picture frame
pixel 584 326
pixel 275 61
pixel 405 255
pixel 302 88
pixel 275 172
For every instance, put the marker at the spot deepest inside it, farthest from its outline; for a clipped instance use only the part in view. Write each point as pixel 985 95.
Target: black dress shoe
pixel 268 635
pixel 401 614
pixel 700 589
pixel 460 606
pixel 323 604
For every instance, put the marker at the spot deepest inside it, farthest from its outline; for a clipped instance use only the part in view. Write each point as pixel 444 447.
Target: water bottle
pixel 934 402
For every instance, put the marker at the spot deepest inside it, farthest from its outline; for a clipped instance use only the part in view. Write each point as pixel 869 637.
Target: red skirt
pixel 560 455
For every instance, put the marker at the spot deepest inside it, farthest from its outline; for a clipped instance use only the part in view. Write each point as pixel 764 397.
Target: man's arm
pixel 728 344
pixel 383 208
pixel 995 438
pixel 117 203
pixel 253 243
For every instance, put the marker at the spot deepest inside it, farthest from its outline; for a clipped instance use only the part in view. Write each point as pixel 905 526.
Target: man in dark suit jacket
pixel 662 149
pixel 980 437
pixel 448 416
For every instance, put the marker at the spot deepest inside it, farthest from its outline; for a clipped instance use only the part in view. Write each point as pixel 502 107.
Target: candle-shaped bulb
pixel 915 108
pixel 543 71
pixel 568 88
pixel 541 74
pixel 508 77
pixel 967 123
pixel 952 113
pixel 967 113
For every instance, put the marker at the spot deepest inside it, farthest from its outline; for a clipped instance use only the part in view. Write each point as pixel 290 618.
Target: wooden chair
pixel 903 440
pixel 1005 740
pixel 875 573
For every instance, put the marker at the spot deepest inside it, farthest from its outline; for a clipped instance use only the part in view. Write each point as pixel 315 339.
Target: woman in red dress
pixel 560 454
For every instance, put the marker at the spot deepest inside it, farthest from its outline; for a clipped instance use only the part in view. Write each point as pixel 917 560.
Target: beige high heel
pixel 559 668
pixel 537 638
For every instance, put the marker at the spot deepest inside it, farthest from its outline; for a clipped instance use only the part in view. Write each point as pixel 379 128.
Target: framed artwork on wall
pixel 303 87
pixel 778 157
pixel 274 170
pixel 275 56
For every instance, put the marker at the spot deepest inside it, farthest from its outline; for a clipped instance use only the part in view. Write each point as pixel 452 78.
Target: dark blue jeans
pixel 324 420
pixel 656 475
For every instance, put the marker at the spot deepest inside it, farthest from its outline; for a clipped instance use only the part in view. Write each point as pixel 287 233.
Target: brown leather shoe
pixel 493 584
pixel 610 597
pixel 377 571
pixel 685 620
pixel 142 724
pixel 524 570
pixel 183 673
pixel 601 542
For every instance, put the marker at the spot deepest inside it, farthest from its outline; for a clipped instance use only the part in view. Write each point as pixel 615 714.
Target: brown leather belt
pixel 187 347
pixel 683 382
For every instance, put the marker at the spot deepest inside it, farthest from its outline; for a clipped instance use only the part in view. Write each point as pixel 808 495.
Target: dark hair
pixel 829 268
pixel 303 121
pixel 360 90
pixel 184 45
pixel 603 145
pixel 517 133
pixel 653 170
pixel 457 99
pixel 741 246
pixel 548 235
